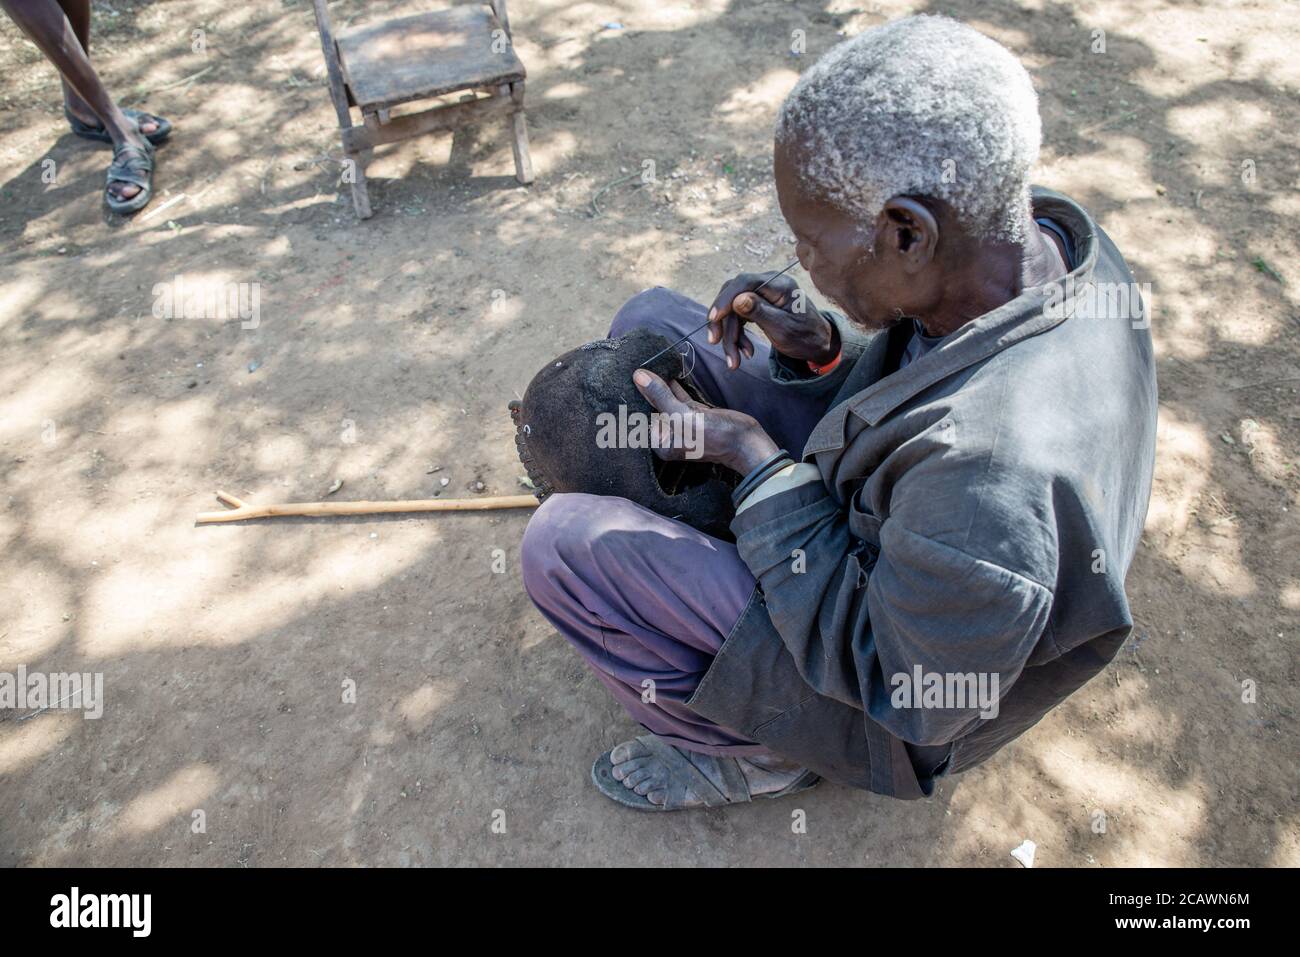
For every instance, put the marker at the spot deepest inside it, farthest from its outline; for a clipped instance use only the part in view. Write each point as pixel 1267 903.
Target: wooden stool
pixel 377 67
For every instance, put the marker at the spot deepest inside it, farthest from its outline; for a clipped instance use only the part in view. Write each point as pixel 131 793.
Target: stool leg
pixel 360 195
pixel 519 136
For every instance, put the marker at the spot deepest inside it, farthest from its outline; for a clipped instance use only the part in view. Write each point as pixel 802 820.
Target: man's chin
pixel 860 318
pixel 868 323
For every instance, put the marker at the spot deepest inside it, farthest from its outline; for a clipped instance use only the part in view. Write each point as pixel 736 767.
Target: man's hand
pixel 732 439
pixel 787 317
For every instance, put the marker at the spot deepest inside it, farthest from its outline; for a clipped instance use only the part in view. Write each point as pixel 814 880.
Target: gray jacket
pixel 975 519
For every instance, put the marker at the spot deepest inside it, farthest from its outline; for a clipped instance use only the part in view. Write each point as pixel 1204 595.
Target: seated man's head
pixel 902 165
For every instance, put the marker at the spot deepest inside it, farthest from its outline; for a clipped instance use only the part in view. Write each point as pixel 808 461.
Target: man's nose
pixel 803 252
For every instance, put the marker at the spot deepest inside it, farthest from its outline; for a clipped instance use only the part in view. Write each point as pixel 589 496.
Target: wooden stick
pixel 240 511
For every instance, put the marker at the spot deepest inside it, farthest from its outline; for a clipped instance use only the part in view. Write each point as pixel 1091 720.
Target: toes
pixel 620 771
pixel 648 784
pixel 626 751
pixel 123 190
pixel 637 778
pixel 657 797
pixel 620 755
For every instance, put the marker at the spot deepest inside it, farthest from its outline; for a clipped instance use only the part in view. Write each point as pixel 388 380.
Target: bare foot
pixel 78 108
pixel 121 190
pixel 643 772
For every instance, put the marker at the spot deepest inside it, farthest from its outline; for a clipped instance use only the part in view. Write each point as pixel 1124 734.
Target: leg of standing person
pixel 62 32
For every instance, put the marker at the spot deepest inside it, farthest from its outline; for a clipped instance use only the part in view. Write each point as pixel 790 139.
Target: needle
pixel 706 321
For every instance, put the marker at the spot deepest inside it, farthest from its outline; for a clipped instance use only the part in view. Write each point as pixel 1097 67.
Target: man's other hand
pixel 700 432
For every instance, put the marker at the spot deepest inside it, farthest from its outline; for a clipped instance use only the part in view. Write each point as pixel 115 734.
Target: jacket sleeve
pixel 859 620
pixel 795 375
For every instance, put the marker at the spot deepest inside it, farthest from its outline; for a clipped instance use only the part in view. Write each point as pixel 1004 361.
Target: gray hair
pixel 923 106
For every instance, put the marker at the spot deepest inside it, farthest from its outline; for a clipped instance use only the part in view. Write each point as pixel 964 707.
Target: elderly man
pixel 942 558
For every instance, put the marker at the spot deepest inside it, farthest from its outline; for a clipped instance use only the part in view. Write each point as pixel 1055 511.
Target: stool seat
pixel 426 55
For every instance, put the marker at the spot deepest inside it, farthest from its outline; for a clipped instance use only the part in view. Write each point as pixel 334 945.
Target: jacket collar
pixel 979 339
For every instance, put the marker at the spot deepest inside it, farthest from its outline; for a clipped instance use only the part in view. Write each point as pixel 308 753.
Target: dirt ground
pixel 390 347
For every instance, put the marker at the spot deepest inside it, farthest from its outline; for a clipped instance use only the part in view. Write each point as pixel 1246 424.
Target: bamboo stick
pixel 241 511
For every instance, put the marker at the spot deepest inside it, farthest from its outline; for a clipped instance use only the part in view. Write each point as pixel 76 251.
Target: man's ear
pixel 909 231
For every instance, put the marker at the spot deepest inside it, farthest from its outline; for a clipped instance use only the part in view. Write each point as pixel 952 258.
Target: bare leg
pixel 47 25
pixel 78 14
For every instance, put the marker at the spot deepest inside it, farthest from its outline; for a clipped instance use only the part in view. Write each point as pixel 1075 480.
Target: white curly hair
pixel 923 106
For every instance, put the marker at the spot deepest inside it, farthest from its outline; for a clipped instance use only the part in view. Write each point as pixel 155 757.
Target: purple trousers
pixel 646 600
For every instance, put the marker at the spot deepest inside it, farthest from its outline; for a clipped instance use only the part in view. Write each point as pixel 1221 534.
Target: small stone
pixel 444 482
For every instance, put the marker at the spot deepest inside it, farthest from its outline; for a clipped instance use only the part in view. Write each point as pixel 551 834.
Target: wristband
pixel 829 367
pixel 765 470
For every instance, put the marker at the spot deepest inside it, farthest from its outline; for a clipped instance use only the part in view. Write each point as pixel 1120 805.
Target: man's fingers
pixel 665 397
pixel 780 291
pixel 744 303
pixel 741 297
pixel 656 391
pixel 722 301
pixel 721 307
pixel 730 333
pixel 681 393
pixel 755 308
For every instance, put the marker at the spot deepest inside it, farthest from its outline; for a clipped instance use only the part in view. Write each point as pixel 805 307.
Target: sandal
pixel 133 165
pixel 100 135
pixel 684 775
